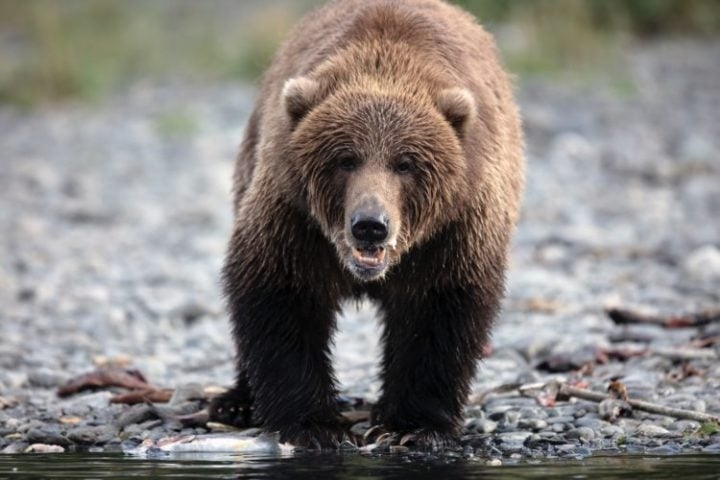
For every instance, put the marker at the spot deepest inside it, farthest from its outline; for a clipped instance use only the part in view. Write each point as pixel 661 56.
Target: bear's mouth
pixel 369 260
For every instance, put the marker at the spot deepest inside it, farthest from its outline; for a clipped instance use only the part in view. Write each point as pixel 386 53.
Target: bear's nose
pixel 366 228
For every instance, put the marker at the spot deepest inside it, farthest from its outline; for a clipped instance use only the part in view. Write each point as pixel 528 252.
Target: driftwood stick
pixel 686 353
pixel 624 316
pixel 640 405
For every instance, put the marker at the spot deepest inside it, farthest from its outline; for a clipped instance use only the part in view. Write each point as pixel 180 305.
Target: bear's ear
pixel 458 107
pixel 300 95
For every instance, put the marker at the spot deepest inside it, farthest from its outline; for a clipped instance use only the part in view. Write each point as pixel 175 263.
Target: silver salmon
pixel 214 443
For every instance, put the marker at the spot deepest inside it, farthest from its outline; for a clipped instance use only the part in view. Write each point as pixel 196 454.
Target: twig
pixel 154 395
pixel 624 316
pixel 584 394
pixel 686 353
pixel 604 355
pixel 105 377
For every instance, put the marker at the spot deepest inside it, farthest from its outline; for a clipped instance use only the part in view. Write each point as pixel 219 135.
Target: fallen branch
pixel 585 394
pixel 684 353
pixel 704 342
pixel 624 316
pixel 105 377
pixel 153 395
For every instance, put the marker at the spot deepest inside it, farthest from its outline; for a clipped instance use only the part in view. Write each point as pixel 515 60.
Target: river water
pixel 352 466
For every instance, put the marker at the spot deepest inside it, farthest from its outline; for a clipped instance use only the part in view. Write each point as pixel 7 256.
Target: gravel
pixel 114 229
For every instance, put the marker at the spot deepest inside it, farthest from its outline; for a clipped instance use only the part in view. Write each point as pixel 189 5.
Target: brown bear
pixel 384 158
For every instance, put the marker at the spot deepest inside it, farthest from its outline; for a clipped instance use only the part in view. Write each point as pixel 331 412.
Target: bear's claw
pixel 420 439
pixel 232 408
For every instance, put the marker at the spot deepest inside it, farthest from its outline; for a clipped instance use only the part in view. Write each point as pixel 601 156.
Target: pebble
pixel 483 425
pixel 685 426
pixel 591 422
pixel 43 448
pixel 15 447
pixel 92 435
pixel 665 449
pixel 533 424
pixel 47 435
pixel 712 448
pixel 611 431
pixel 135 414
pixel 704 264
pixel 584 434
pixel 512 441
pixel 650 430
pixel 508 421
pixel 45 378
pixel 81 405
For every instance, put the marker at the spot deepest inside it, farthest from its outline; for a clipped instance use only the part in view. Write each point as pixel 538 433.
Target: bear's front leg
pixel 431 344
pixel 283 338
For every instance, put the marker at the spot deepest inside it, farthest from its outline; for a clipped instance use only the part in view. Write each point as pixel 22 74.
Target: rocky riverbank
pixel 114 217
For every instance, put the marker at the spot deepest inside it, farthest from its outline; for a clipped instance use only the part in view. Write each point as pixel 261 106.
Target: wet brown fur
pixel 377 77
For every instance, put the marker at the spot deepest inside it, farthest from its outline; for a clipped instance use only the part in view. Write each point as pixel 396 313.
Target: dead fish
pixel 214 443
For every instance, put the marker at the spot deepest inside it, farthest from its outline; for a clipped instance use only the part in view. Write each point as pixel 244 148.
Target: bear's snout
pixel 368 234
pixel 369 227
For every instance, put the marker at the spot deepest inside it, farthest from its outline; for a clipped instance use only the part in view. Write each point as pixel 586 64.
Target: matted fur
pixel 413 93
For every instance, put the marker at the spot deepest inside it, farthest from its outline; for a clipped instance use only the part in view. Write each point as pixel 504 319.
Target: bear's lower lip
pixel 369 261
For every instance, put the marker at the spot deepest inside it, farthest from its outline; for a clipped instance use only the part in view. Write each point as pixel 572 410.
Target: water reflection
pixel 345 467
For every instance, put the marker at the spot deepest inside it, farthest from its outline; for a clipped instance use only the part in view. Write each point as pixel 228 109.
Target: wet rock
pixel 15 447
pixel 47 435
pixel 92 435
pixel 591 422
pixel 30 425
pixel 611 431
pixel 712 448
pixel 584 434
pixel 83 404
pixel 508 421
pixel 512 441
pixel 544 440
pixel 482 425
pixel 651 430
pixel 46 378
pixel 685 426
pixel 665 449
pixel 135 414
pixel 533 424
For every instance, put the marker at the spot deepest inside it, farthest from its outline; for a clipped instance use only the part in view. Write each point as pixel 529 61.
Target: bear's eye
pixel 347 162
pixel 405 164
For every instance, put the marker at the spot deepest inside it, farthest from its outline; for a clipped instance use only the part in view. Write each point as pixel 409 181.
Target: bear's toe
pixel 421 439
pixel 428 440
pixel 232 408
pixel 314 437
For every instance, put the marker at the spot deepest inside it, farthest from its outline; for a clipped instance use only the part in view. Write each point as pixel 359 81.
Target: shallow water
pixel 88 466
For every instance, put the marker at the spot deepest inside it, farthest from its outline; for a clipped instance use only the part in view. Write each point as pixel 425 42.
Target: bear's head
pixel 383 170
